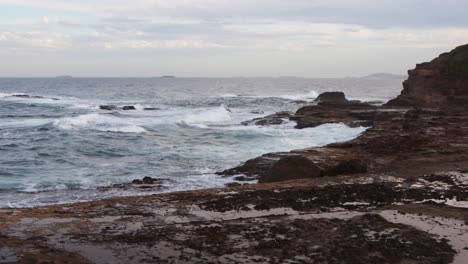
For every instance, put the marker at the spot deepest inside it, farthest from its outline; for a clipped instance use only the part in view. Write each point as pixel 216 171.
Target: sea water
pixel 60 151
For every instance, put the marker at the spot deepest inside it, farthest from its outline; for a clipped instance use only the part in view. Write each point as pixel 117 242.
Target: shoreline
pixel 396 194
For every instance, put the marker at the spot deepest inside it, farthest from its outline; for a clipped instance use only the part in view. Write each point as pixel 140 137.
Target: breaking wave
pixel 98 122
pixel 214 115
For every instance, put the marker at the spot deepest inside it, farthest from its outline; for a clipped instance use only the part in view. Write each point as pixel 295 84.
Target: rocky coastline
pixel 396 194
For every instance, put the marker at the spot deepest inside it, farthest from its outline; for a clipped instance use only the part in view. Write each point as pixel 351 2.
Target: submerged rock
pixel 124 108
pixel 151 108
pixel 26 96
pixel 146 180
pixel 274 119
pixel 128 107
pixel 108 107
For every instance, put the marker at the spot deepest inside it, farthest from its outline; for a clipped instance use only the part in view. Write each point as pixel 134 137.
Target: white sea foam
pixel 98 122
pixel 9 95
pixel 60 101
pixel 228 95
pixel 311 95
pixel 295 97
pixel 213 115
pixel 284 137
pixel 31 122
pixel 3 95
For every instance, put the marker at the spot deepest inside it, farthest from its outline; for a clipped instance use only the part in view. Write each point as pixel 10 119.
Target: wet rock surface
pixel 307 163
pixel 27 96
pixel 274 119
pixel 330 107
pixel 335 220
pixel 125 108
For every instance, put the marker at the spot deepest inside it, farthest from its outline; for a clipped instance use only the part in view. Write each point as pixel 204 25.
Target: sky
pixel 225 38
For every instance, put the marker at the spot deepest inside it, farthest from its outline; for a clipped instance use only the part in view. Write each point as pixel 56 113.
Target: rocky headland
pixel 396 194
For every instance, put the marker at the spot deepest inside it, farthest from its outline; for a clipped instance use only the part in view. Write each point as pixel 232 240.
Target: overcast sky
pixel 310 38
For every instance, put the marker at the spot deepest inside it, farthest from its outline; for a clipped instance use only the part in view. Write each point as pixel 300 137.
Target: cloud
pixel 158 44
pixel 24 40
pixel 45 20
pixel 254 30
pixel 369 13
pixel 300 35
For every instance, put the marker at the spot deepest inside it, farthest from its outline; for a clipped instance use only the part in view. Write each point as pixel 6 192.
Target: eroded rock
pixel 440 83
pixel 290 168
pixel 274 119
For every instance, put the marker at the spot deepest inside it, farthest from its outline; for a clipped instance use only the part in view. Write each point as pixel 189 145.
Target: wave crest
pixel 215 115
pixel 296 97
pixel 98 122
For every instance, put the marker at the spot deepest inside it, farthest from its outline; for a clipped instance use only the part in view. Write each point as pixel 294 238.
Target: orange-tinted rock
pixel 441 83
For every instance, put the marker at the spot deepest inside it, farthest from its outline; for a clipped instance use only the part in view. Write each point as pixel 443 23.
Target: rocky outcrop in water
pixel 330 107
pixel 27 96
pixel 274 119
pixel 405 134
pixel 125 108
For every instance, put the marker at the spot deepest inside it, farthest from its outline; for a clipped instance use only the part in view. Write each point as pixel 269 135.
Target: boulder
pixel 290 168
pixel 332 98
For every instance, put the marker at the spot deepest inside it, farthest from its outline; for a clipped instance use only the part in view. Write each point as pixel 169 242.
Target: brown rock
pixel 441 83
pixel 233 184
pixel 290 168
pixel 332 98
pixel 351 166
pixel 274 119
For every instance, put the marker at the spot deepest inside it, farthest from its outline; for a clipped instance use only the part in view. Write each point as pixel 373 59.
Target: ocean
pixel 59 147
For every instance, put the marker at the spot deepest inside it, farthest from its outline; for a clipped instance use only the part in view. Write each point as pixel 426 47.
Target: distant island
pixel 167 76
pixel 64 76
pixel 382 75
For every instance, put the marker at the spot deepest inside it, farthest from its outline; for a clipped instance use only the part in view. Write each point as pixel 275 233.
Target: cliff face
pixel 441 83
